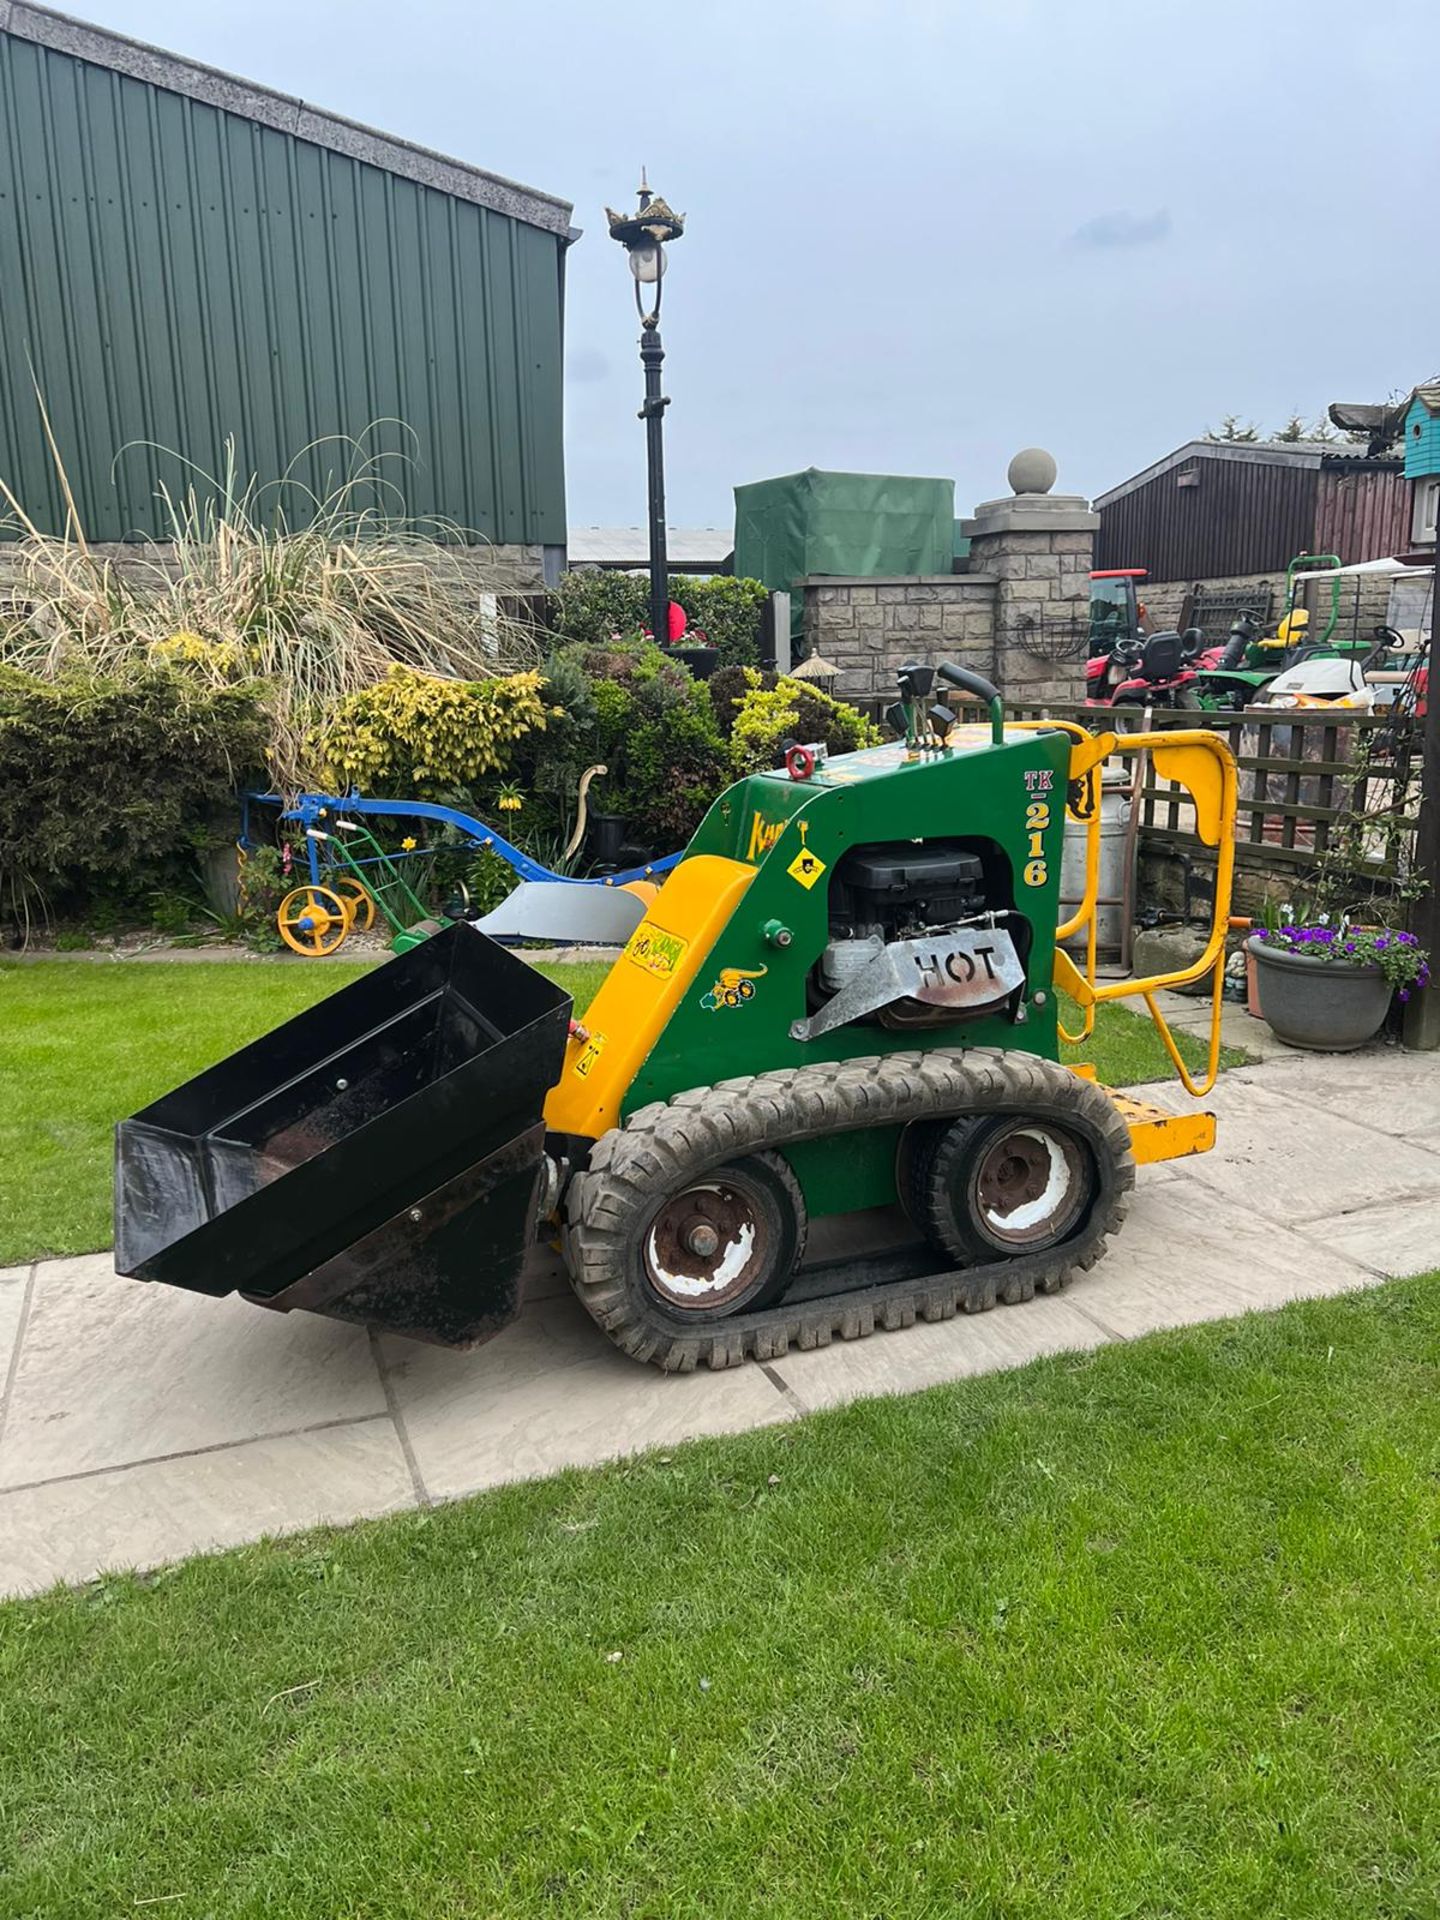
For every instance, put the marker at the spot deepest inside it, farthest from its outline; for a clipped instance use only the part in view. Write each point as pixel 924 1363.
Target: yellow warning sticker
pixel 806 867
pixel 593 1049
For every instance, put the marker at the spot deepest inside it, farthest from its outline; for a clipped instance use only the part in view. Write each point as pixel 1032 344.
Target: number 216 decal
pixel 1037 819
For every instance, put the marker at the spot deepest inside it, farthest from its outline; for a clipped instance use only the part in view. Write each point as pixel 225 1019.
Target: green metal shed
pixel 186 257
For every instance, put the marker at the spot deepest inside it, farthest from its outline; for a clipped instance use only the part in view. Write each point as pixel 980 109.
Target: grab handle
pixel 967 682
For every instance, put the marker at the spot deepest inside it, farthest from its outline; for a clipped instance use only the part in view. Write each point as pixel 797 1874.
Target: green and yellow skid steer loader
pixel 845 996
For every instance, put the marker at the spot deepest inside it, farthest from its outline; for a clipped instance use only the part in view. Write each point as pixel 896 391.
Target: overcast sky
pixel 922 233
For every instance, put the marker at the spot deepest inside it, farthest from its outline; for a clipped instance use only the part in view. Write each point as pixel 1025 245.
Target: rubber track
pixel 664 1146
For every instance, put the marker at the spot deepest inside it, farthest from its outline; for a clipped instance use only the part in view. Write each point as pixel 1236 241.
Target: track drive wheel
pixel 313 921
pixel 1003 1185
pixel 725 1242
pixel 660 1267
pixel 359 899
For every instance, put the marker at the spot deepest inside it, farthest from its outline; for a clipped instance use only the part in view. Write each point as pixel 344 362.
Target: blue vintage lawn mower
pixel 352 877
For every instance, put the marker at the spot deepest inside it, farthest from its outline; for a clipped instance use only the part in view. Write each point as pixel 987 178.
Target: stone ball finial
pixel 1032 470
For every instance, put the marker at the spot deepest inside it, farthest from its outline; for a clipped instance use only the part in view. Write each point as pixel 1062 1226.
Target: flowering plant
pixel 1402 961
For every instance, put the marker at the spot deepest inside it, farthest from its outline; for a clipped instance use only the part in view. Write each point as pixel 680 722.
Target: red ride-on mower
pixel 1157 671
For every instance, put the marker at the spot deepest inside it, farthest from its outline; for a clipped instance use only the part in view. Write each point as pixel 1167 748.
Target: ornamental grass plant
pixel 315 596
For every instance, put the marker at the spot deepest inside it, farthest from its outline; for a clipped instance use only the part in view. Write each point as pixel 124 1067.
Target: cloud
pixel 1124 229
pixel 586 366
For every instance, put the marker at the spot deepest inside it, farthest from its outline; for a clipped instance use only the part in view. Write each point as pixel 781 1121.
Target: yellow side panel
pixel 1157 1135
pixel 642 990
pixel 1202 772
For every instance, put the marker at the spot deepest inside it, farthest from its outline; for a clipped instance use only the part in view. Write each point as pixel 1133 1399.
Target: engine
pixel 937 913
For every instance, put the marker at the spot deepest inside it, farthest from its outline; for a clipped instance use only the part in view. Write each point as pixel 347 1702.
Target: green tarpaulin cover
pixel 843 523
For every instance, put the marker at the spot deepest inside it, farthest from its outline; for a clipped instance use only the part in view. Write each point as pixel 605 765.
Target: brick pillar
pixel 1038 546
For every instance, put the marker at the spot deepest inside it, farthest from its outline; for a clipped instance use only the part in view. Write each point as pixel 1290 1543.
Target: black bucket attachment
pixel 377 1158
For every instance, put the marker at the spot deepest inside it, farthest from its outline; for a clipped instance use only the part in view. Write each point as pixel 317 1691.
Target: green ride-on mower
pixel 847 995
pixel 1242 673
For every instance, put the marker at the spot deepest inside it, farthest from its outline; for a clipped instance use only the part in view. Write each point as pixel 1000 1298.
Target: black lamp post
pixel 643 235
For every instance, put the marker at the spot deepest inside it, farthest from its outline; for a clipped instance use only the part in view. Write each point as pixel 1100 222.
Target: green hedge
pixel 757 713
pixel 112 787
pixel 591 608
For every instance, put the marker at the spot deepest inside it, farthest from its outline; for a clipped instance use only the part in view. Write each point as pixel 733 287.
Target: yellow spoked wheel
pixel 313 921
pixel 358 900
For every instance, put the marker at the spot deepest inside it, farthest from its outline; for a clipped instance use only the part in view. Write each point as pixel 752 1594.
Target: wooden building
pixel 1217 509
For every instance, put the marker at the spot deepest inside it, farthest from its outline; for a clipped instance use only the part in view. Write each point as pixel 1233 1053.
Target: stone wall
pixel 1018 616
pixel 1042 610
pixel 868 627
pixel 1040 547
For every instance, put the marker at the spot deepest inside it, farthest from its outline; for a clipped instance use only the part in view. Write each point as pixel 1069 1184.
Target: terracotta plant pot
pixel 1327 1005
pixel 1252 988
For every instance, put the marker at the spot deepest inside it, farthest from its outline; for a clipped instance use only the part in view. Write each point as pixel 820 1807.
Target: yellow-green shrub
pixel 769 712
pixel 411 734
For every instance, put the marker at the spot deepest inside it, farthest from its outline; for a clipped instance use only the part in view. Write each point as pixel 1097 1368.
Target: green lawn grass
pixel 87 1042
pixel 1146 1632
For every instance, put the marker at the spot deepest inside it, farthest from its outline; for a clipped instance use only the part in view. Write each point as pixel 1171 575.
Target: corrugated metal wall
pixel 175 274
pixel 1239 516
pixel 1362 516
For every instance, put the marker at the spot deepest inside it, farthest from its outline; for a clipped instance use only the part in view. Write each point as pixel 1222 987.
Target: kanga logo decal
pixel 733 987
pixel 654 950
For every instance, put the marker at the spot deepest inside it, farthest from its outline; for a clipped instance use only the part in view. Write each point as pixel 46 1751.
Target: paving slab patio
pixel 1190 1013
pixel 14 1287
pixel 143 1516
pixel 1393 1240
pixel 1293 1149
pixel 142 1424
pixel 1348 1084
pixel 109 1374
pixel 549 1394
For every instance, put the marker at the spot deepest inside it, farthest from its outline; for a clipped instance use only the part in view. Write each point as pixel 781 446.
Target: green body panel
pixel 848 1171
pixel 882 796
pixel 176 273
pixel 1216 690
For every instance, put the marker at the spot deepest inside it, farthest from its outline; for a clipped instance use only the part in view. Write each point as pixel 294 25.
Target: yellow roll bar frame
pixel 1203 764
